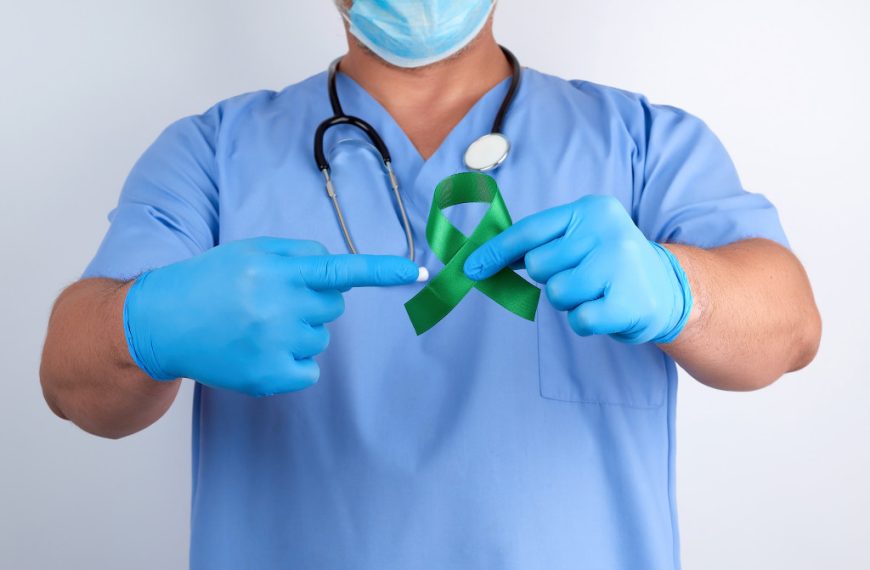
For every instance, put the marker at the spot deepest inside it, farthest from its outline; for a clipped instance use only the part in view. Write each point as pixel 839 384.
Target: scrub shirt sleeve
pixel 689 191
pixel 168 209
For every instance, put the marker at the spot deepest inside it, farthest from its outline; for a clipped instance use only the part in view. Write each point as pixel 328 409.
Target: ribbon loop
pixel 452 247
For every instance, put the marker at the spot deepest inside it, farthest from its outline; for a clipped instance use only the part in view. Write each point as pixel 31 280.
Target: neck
pixel 427 102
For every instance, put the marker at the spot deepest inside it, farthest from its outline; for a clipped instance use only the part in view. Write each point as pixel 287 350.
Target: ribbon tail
pixel 512 292
pixel 439 297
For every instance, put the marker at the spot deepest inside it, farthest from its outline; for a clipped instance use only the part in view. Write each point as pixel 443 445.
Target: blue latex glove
pixel 598 267
pixel 248 316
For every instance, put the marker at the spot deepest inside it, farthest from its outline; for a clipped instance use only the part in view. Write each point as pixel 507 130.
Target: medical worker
pixel 328 434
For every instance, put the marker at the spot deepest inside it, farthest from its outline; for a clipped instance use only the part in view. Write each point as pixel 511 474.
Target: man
pixel 489 441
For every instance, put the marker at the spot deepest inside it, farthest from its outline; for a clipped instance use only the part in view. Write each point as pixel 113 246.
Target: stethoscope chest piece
pixel 487 152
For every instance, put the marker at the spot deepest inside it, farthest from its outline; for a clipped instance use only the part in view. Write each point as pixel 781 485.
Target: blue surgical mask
pixel 414 33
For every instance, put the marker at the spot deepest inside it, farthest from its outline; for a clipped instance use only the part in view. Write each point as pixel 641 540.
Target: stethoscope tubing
pixel 339 117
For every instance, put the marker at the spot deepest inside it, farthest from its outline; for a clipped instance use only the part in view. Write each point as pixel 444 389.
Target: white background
pixel 774 479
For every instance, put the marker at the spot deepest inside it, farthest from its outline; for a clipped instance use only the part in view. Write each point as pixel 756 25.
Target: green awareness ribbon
pixel 452 247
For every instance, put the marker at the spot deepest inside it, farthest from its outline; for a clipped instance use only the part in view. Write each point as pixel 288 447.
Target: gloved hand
pixel 599 267
pixel 248 316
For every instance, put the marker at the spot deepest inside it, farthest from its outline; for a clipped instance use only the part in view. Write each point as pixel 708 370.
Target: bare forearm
pixel 753 319
pixel 87 374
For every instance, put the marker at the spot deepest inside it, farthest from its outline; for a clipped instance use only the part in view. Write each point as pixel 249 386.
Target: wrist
pixel 682 295
pixel 137 332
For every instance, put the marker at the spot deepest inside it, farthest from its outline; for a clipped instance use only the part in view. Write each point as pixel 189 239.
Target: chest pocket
pixel 597 369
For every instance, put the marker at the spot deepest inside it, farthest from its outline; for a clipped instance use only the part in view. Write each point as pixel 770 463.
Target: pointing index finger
pixel 343 272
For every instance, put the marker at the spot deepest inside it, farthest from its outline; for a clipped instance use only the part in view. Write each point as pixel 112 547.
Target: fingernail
pixel 472 270
pixel 422 275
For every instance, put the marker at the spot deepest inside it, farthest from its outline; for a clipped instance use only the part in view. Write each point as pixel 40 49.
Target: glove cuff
pixel 139 342
pixel 684 294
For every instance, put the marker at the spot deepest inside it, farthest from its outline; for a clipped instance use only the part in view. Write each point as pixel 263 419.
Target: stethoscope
pixel 485 153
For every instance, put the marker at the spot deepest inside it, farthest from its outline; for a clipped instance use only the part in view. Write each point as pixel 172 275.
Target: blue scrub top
pixel 488 442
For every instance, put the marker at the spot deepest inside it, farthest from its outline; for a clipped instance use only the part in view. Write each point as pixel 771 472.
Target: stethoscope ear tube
pixel 325 169
pixel 333 197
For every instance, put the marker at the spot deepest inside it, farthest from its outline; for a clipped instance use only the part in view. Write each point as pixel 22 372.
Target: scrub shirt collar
pixel 407 161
